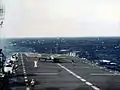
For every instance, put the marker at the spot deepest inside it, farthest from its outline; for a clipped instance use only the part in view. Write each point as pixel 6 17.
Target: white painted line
pixel 104 74
pixel 24 72
pixel 26 80
pixel 88 83
pixel 83 80
pixel 95 88
pixel 27 88
pixel 85 67
pixel 79 77
pixel 23 69
pixel 47 73
pixel 25 77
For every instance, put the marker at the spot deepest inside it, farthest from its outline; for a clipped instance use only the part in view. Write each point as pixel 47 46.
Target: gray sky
pixel 63 18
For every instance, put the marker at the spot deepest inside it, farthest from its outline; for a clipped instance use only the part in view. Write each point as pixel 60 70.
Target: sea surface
pixel 99 48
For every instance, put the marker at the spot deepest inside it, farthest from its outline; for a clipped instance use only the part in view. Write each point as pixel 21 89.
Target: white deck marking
pixel 95 88
pixel 26 80
pixel 25 77
pixel 24 72
pixel 104 74
pixel 83 80
pixel 79 77
pixel 88 83
pixel 27 88
pixel 47 73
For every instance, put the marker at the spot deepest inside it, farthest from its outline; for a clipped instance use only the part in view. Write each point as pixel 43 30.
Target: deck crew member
pixel 35 63
pixel 32 83
pixel 73 62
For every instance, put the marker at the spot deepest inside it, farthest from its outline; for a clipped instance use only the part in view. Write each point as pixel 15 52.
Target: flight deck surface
pixel 80 75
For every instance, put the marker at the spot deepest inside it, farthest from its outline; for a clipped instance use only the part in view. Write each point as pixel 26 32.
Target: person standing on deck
pixel 35 63
pixel 73 62
pixel 32 83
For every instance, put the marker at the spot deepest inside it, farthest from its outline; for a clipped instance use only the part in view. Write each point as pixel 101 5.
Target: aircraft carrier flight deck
pixel 65 73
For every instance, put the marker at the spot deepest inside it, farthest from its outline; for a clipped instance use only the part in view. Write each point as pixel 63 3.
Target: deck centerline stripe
pixel 24 72
pixel 79 77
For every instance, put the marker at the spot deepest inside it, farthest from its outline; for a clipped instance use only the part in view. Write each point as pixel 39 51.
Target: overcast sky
pixel 63 18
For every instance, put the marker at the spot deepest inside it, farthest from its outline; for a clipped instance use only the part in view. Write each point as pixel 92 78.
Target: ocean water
pixel 91 48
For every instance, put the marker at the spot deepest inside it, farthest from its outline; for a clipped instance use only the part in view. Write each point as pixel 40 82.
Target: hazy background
pixel 63 18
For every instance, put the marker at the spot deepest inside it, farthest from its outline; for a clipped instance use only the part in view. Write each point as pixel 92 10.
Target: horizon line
pixel 61 37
